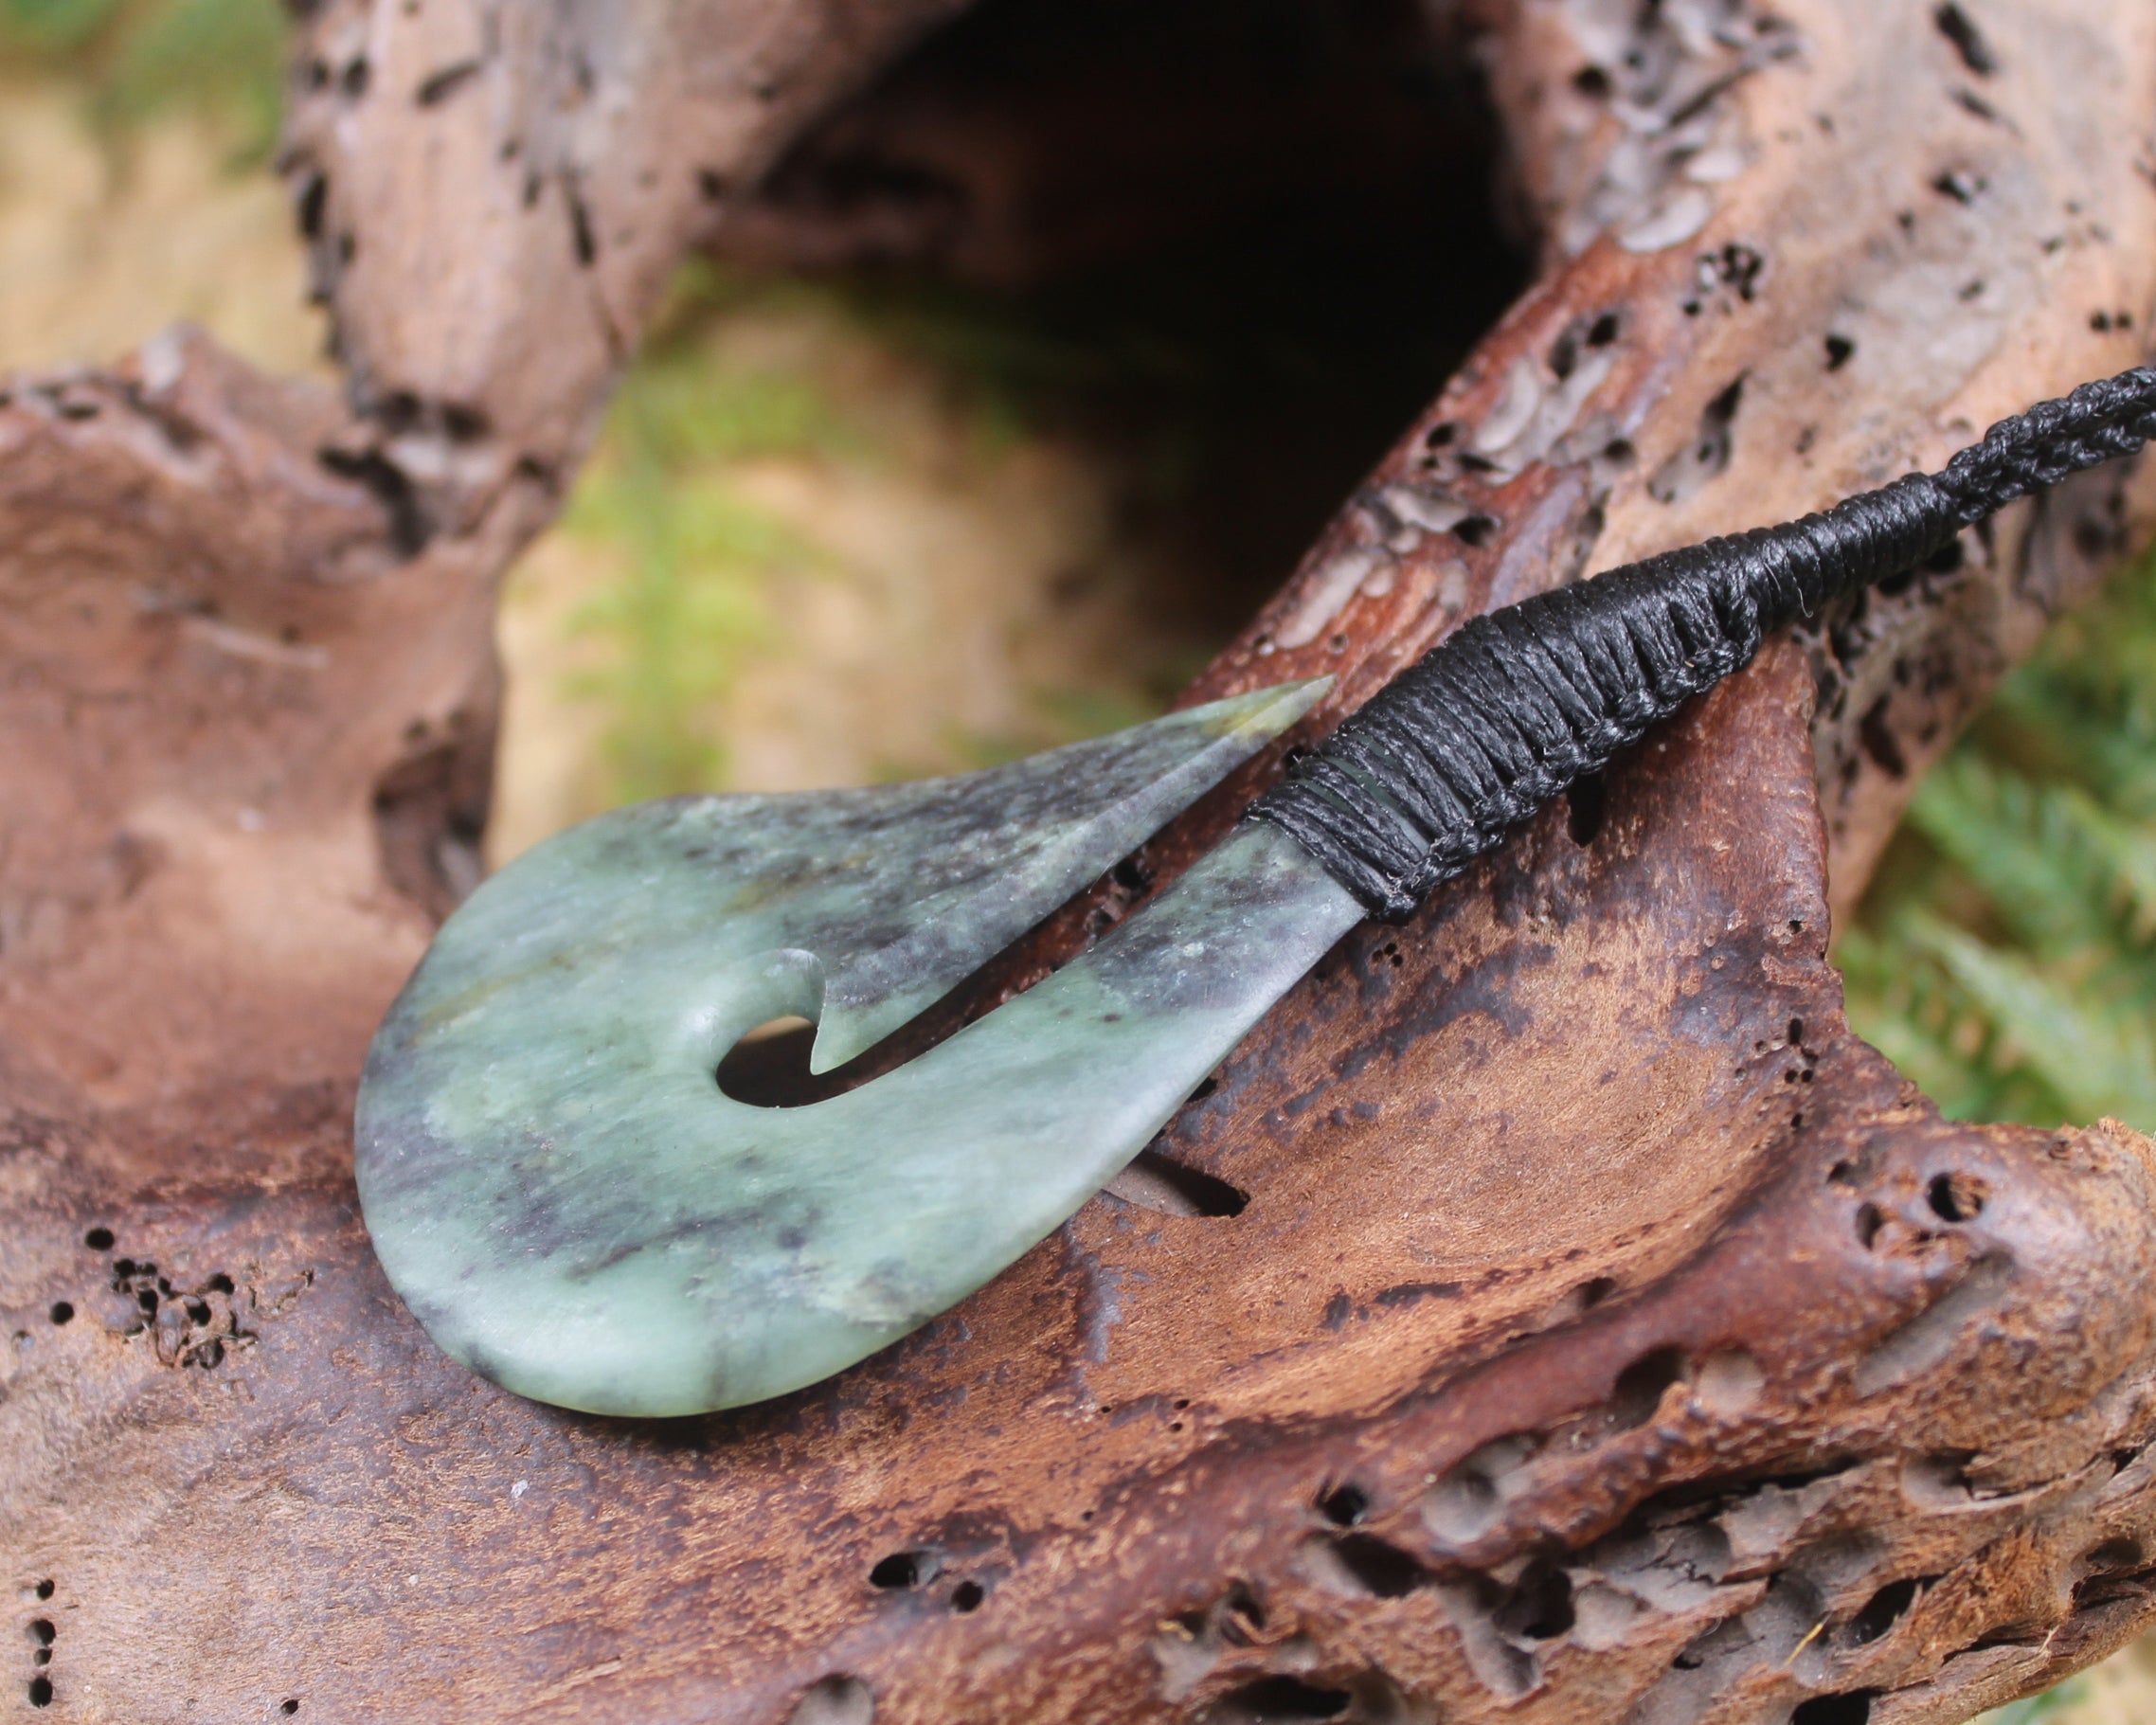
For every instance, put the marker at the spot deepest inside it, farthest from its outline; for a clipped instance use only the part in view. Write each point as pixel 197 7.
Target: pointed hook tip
pixel 1198 746
pixel 1289 702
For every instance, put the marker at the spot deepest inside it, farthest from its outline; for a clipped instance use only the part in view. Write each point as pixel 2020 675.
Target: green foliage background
pixel 2005 957
pixel 222 60
pixel 698 557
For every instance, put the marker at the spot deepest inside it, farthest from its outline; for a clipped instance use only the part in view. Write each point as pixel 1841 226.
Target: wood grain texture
pixel 1605 1334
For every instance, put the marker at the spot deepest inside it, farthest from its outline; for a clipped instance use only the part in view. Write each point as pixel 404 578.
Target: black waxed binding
pixel 1500 717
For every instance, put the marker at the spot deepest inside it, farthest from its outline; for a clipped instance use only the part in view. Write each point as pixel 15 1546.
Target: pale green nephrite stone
pixel 564 1197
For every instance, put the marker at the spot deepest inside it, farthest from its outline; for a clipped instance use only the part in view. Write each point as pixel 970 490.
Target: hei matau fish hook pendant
pixel 567 1200
pixel 562 1195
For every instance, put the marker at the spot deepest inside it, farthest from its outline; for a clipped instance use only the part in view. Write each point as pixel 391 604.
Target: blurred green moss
pixel 63 30
pixel 698 556
pixel 219 60
pixel 702 562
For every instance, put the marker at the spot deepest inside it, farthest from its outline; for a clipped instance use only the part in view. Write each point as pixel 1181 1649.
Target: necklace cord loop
pixel 1517 704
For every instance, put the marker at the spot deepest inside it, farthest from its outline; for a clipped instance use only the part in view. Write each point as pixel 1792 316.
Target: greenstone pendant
pixel 570 1205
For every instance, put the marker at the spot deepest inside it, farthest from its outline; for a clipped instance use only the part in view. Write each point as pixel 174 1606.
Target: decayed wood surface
pixel 1605 1334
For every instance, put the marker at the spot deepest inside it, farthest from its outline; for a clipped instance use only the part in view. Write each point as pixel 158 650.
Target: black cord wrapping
pixel 1504 713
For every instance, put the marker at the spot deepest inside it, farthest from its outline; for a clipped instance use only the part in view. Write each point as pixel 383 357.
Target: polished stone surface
pixel 564 1197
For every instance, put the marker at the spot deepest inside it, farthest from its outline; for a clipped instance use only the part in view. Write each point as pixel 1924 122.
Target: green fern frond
pixel 2019 847
pixel 2126 850
pixel 2098 1060
pixel 1914 1012
pixel 2007 957
pixel 2059 867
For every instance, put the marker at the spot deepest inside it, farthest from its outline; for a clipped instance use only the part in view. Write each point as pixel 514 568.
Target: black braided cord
pixel 1500 717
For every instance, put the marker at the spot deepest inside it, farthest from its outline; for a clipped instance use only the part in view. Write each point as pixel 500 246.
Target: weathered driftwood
pixel 1550 1313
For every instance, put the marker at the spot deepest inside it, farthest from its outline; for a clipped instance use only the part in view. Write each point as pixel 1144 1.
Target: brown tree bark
pixel 1607 1334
